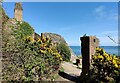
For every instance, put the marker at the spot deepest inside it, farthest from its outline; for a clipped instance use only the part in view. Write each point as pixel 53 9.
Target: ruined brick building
pixel 88 46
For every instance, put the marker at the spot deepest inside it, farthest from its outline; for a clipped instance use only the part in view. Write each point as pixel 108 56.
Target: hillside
pixel 28 55
pixel 57 39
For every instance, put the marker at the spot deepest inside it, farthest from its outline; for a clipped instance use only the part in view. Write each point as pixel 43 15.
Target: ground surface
pixel 70 72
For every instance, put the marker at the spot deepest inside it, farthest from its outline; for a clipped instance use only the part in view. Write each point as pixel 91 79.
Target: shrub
pixel 64 51
pixel 106 67
pixel 26 29
pixel 29 59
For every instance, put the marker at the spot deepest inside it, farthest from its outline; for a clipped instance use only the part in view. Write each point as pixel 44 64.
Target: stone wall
pixel 18 15
pixel 18 11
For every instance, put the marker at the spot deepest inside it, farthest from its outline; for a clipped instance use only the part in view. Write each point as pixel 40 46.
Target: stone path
pixel 70 70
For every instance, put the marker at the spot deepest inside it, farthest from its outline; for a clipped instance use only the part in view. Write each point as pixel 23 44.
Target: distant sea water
pixel 109 49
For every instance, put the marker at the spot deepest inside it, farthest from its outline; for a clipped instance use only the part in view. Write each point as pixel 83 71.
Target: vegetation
pixel 64 51
pixel 3 16
pixel 106 67
pixel 26 29
pixel 26 59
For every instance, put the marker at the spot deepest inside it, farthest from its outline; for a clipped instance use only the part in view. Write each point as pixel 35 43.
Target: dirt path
pixel 70 71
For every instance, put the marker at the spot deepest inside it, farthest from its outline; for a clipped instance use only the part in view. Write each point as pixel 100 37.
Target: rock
pixel 55 38
pixel 59 39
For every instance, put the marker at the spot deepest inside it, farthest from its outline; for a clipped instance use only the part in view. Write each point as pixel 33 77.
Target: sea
pixel 109 49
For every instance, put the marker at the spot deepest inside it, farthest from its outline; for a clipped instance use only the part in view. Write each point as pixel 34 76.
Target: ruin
pixel 88 45
pixel 18 11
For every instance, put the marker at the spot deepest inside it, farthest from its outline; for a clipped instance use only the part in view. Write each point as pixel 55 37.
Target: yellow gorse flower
pixel 110 57
pixel 57 54
pixel 100 57
pixel 39 40
pixel 114 57
pixel 43 51
pixel 114 61
pixel 116 65
pixel 106 55
pixel 61 58
pixel 101 54
pixel 29 39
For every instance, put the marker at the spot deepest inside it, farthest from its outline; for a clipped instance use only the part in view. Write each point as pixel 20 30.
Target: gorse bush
pixel 28 59
pixel 106 67
pixel 64 51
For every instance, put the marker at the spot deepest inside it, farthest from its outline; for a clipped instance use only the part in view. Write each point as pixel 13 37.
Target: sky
pixel 71 20
pixel 61 0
